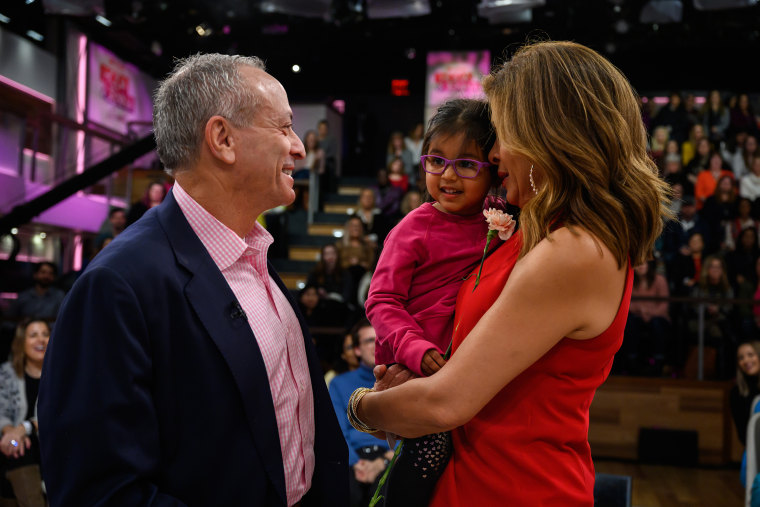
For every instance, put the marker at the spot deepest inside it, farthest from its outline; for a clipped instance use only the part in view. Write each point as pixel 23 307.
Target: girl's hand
pixel 432 361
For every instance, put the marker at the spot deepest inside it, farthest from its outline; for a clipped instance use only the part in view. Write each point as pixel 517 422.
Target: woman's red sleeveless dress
pixel 529 445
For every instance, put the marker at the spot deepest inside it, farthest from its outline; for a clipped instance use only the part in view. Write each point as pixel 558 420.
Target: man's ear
pixel 219 139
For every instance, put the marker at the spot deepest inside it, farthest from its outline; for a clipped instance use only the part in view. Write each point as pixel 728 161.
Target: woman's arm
pixel 569 286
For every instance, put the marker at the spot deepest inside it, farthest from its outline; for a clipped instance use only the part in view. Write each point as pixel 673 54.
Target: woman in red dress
pixel 537 335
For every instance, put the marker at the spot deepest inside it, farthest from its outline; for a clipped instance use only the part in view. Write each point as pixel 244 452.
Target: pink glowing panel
pixel 454 74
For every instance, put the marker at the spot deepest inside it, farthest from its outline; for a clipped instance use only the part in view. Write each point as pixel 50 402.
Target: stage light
pixel 296 69
pixel 43 235
pixel 4 18
pixel 14 231
pixel 103 20
pixel 35 35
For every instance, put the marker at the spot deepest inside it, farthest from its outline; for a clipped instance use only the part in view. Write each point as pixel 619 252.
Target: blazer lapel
pixel 215 304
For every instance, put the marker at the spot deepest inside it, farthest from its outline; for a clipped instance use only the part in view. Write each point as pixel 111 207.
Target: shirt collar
pixel 223 245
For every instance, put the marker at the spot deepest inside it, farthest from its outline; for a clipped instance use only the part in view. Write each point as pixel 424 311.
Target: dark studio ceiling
pixel 357 46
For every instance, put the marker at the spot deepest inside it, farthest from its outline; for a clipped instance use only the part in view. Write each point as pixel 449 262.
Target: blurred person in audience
pixel 397 150
pixel 687 265
pixel 743 219
pixel 334 284
pixel 742 395
pixel 715 118
pixel 414 287
pixel 19 385
pixel 196 380
pixel 113 225
pixel 742 274
pixel 700 161
pixel 328 182
pixel 411 201
pixel 314 159
pixel 413 142
pixel 692 110
pixel 367 456
pixel 746 387
pixel 376 224
pixel 657 143
pixel 749 186
pixel 742 116
pixel 648 328
pixel 718 324
pixel 676 236
pixel 388 196
pixel 673 116
pixel 356 250
pixel 673 173
pixel 314 312
pixel 741 261
pixel 397 174
pixel 347 360
pixel 742 158
pixel 677 201
pixel 707 180
pixel 154 195
pixel 689 146
pixel 43 299
pixel 718 213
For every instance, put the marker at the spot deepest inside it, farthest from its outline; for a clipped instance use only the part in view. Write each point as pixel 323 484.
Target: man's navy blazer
pixel 154 390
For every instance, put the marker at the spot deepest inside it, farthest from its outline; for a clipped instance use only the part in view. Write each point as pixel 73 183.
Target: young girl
pixel 433 248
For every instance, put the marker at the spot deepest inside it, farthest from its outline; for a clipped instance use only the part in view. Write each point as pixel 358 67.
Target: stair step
pixel 310 240
pixel 294 281
pixel 341 198
pixel 304 253
pixel 332 218
pixel 325 229
pixel 339 207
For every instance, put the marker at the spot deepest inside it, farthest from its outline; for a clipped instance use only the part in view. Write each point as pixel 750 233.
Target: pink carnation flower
pixel 501 222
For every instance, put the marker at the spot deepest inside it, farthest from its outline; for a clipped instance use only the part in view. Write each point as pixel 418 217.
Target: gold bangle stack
pixel 353 403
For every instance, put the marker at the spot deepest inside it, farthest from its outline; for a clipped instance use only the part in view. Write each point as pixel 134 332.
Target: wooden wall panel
pixel 623 405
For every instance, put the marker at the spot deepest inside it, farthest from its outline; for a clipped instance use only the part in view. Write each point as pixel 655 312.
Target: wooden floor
pixel 671 486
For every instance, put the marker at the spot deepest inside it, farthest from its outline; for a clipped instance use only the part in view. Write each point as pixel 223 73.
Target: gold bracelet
pixel 353 403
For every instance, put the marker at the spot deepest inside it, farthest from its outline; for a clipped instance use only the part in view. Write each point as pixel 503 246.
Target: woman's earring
pixel 532 184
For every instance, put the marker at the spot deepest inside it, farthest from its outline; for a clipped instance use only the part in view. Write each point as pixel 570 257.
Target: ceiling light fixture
pixel 4 18
pixel 35 35
pixel 103 20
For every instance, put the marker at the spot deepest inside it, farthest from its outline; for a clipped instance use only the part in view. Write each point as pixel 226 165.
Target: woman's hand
pixel 432 361
pixel 391 376
pixel 15 442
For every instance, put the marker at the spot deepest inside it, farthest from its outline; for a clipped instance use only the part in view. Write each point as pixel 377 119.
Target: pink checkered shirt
pixel 243 262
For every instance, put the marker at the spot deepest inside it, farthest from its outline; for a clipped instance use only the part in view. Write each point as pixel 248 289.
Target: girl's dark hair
pixel 471 117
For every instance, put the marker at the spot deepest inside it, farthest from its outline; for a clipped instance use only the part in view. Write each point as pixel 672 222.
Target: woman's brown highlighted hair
pixel 576 117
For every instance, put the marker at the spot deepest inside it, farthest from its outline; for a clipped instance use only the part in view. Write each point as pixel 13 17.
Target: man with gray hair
pixel 182 372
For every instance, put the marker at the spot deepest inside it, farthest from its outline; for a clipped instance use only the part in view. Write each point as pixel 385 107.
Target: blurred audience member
pixel 413 142
pixel 707 180
pixel 328 183
pixel 648 328
pixel 154 195
pixel 42 300
pixel 411 200
pixel 388 196
pixel 743 219
pixel 742 116
pixel 718 212
pixel 676 235
pixel 376 224
pixel 346 362
pixel 713 283
pixel 749 186
pixel 367 456
pixel 333 282
pixel 397 149
pixel 397 174
pixel 689 147
pixel 687 266
pixel 314 159
pixel 742 158
pixel 674 117
pixel 715 117
pixel 19 385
